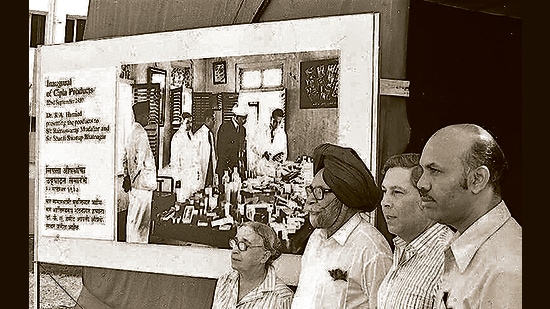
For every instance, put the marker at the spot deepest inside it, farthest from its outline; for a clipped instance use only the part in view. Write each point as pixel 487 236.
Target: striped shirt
pixel 415 275
pixel 271 293
pixel 357 249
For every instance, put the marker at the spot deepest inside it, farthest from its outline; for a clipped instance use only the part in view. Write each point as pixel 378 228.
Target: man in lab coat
pixel 184 164
pixel 207 152
pixel 139 177
pixel 272 149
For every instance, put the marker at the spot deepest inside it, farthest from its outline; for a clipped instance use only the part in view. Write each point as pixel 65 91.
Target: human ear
pixel 265 257
pixel 479 178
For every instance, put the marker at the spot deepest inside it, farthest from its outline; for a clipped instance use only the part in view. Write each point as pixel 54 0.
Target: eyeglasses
pixel 318 192
pixel 242 246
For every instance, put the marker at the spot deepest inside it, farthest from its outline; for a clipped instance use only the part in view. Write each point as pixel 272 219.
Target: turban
pixel 239 110
pixel 347 175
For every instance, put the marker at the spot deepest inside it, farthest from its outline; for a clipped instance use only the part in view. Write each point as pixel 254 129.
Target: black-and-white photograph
pixel 272 154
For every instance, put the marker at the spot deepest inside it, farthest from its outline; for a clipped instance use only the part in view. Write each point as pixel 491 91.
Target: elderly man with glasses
pixel 346 258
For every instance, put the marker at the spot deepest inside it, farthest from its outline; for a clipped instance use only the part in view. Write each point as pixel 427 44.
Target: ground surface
pixel 60 285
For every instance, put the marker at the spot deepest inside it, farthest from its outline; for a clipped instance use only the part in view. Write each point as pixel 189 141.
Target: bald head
pixel 474 147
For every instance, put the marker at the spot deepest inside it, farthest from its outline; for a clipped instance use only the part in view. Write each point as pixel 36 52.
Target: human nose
pixel 385 202
pixel 310 203
pixel 423 185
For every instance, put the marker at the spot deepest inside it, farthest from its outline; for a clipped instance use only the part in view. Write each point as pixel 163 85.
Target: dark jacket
pixel 231 148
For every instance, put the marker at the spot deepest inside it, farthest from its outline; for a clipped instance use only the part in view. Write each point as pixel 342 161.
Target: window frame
pixel 31 32
pixel 76 35
pixel 259 66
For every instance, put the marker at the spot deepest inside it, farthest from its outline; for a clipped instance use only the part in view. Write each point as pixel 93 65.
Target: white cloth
pixel 483 265
pixel 138 219
pixel 205 152
pixel 184 164
pixel 261 165
pixel 279 143
pixel 139 165
pixel 357 248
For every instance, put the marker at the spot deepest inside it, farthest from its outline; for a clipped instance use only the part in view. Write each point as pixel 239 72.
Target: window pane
pixel 251 79
pixel 38 30
pixel 69 30
pixel 80 26
pixel 273 77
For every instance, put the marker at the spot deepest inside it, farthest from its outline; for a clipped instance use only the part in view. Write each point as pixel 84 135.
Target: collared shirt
pixel 483 265
pixel 357 248
pixel 415 275
pixel 271 293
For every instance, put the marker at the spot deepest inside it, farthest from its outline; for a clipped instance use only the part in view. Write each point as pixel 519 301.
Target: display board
pixel 76 153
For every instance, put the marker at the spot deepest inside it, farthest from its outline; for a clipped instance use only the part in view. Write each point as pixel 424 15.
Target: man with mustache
pixel 460 186
pixel 345 257
pixel 414 278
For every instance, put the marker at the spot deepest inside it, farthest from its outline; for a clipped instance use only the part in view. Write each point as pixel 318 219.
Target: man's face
pixel 241 120
pixel 401 204
pixel 275 121
pixel 188 124
pixel 143 119
pixel 209 122
pixel 322 213
pixel 443 187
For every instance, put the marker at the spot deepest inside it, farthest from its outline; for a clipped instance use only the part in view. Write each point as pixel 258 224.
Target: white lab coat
pixel 139 165
pixel 263 166
pixel 184 164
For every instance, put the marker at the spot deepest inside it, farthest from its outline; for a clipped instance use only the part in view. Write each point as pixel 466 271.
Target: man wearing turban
pixel 346 258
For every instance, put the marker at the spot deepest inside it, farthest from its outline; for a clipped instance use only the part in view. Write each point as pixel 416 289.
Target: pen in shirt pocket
pixel 445 297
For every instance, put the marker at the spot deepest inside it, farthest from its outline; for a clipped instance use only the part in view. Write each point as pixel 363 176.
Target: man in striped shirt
pixel 414 278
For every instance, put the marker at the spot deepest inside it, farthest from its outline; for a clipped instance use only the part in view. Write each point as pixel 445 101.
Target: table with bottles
pixel 210 216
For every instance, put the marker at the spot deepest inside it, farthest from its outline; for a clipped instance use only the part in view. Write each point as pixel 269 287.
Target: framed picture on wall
pixel 219 72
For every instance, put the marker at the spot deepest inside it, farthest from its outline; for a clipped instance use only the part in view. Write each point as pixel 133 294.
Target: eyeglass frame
pixel 312 191
pixel 235 242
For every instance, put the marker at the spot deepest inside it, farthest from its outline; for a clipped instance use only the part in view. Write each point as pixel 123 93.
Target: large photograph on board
pixel 224 156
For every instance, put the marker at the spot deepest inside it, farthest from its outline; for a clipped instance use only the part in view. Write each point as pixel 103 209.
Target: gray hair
pixel 272 244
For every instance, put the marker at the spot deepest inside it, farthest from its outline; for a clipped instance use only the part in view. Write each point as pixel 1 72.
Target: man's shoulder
pixel 365 234
pixel 506 241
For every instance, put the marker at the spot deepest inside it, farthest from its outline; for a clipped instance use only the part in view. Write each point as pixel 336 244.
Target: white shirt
pixel 279 143
pixel 357 248
pixel 483 265
pixel 205 152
